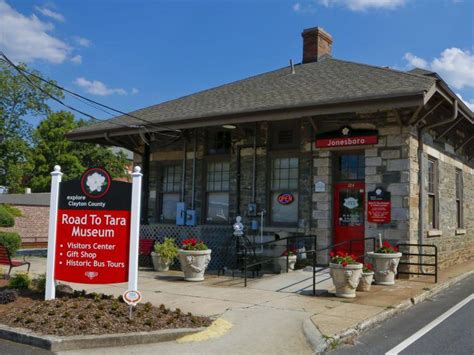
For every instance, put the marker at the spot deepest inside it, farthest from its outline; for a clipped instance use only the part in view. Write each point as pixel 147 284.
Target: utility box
pixel 180 213
pixel 191 218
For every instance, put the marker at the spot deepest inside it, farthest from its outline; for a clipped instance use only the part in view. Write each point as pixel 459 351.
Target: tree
pixel 51 148
pixel 19 98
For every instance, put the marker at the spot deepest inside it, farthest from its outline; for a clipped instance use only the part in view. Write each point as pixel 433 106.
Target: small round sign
pixel 285 198
pixel 132 298
pixel 95 182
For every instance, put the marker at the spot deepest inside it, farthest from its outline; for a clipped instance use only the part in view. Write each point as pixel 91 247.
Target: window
pixel 459 200
pixel 350 167
pixel 170 191
pixel 219 142
pixel 284 190
pixel 284 135
pixel 217 187
pixel 433 216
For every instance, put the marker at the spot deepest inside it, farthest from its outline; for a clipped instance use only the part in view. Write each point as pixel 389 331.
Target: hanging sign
pixel 379 206
pixel 346 137
pixel 93 229
pixel 285 198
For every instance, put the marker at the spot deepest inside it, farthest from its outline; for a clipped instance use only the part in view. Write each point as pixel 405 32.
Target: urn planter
pixel 345 279
pixel 194 263
pixel 365 281
pixel 160 263
pixel 291 263
pixel 385 267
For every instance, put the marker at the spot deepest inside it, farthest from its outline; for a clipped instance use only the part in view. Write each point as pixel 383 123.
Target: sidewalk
pixel 265 320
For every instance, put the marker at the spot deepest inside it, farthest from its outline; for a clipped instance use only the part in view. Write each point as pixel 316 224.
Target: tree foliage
pixel 51 148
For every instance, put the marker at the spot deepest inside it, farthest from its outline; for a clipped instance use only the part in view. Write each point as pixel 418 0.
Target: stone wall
pixel 33 225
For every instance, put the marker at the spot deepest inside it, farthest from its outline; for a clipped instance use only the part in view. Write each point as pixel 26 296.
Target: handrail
pixel 408 263
pixel 313 252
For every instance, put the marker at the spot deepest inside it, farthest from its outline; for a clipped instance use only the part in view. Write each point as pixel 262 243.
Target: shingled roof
pixel 327 81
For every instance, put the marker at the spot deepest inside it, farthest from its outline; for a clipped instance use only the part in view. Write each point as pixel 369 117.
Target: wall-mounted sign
pixel 346 137
pixel 351 203
pixel 285 198
pixel 379 206
pixel 93 229
pixel 320 186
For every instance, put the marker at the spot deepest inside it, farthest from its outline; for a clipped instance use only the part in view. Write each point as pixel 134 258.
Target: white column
pixel 135 229
pixel 50 292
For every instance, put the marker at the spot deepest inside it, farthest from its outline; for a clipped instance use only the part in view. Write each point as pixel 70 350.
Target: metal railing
pixel 420 255
pixel 313 252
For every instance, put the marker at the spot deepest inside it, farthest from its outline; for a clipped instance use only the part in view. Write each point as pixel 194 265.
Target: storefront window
pixel 170 189
pixel 284 190
pixel 433 218
pixel 217 192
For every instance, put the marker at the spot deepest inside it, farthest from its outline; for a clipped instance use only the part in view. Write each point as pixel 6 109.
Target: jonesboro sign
pixel 346 137
pixel 93 231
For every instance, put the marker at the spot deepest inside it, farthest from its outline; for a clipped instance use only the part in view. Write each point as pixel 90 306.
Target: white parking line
pixel 407 342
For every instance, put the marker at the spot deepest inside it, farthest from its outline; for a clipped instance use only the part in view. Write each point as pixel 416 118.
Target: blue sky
pixel 132 54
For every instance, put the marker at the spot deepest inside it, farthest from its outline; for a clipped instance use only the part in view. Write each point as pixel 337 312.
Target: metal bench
pixel 5 259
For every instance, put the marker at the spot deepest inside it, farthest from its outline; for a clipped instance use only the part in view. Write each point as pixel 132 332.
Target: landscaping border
pixel 61 343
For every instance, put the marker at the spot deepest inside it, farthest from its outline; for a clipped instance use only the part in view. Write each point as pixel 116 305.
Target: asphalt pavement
pixel 453 335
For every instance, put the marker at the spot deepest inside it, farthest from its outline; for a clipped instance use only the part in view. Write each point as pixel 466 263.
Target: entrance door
pixel 349 216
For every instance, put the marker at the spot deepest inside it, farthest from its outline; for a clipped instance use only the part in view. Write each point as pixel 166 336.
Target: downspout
pixel 146 183
pixel 254 171
pixel 183 175
pixel 421 168
pixel 193 184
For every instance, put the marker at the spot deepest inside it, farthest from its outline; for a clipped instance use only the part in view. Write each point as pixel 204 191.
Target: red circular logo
pixel 285 198
pixel 95 182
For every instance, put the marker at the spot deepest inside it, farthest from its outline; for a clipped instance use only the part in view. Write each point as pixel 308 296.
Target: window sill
pixel 434 233
pixel 460 231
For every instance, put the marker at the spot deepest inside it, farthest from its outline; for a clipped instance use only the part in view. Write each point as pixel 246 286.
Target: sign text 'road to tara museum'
pixel 93 229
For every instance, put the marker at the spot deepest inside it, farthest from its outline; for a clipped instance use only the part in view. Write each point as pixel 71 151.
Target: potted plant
pixel 194 256
pixel 385 260
pixel 345 272
pixel 366 278
pixel 164 254
pixel 291 254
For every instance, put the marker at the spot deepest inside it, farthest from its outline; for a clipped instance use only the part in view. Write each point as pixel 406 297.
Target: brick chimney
pixel 316 43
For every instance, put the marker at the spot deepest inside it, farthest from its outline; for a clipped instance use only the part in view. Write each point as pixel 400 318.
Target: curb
pixel 322 345
pixel 57 343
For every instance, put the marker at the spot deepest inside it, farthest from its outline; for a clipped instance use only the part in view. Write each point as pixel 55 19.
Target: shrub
pixel 11 241
pixel 8 296
pixel 6 218
pixel 40 283
pixel 167 250
pixel 14 211
pixel 20 280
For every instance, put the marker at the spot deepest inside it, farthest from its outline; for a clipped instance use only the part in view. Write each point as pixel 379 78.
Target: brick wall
pixel 33 225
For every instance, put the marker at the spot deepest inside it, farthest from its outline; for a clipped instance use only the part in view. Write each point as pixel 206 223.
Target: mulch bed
pixel 88 314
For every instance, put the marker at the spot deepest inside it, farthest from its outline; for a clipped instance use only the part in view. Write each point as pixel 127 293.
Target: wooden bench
pixel 145 247
pixel 5 259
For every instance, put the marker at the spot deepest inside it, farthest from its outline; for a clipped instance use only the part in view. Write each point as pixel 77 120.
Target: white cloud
pixel 454 65
pixel 469 103
pixel 96 87
pixel 415 61
pixel 77 59
pixel 50 13
pixel 83 42
pixel 362 5
pixel 135 91
pixel 28 38
pixel 304 8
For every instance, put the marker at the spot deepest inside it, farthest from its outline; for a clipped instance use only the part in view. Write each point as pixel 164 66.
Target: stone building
pixel 327 147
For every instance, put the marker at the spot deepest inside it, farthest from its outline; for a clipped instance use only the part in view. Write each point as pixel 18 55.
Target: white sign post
pixel 134 229
pixel 50 292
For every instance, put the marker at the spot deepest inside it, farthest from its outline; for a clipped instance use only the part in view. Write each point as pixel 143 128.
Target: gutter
pixel 421 167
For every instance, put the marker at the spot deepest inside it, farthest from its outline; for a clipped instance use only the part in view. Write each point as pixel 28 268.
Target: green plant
pixel 14 211
pixel 387 248
pixel 6 218
pixel 167 250
pixel 11 241
pixel 368 267
pixel 193 244
pixel 343 258
pixel 39 283
pixel 20 280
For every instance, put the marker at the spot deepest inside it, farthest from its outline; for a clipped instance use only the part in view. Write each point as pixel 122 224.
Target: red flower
pixel 331 254
pixel 395 249
pixel 344 263
pixel 386 244
pixel 369 266
pixel 353 257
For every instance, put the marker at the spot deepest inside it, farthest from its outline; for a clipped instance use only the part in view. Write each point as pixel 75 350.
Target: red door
pixel 349 216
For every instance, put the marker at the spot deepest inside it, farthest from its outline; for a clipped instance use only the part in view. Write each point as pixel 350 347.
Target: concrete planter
pixel 385 267
pixel 159 263
pixel 345 279
pixel 291 263
pixel 194 263
pixel 365 281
